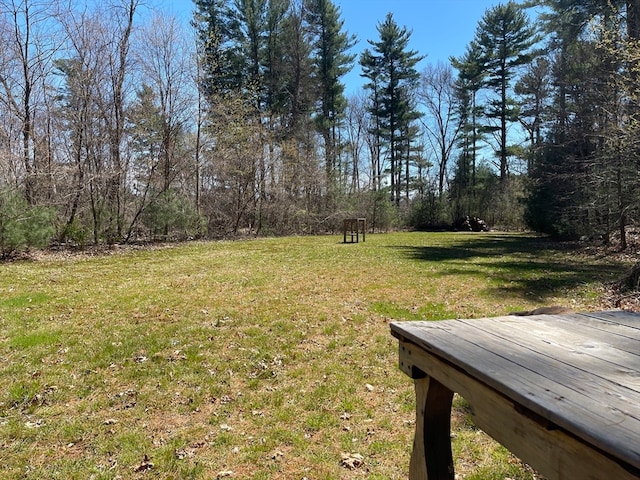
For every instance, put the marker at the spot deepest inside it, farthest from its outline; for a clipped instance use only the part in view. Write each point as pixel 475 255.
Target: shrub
pixel 75 232
pixel 171 214
pixel 22 225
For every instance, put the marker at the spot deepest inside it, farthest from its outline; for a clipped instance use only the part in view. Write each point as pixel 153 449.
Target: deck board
pixel 581 353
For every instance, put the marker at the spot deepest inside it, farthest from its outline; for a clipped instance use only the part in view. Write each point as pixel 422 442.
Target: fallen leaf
pixel 145 465
pixel 185 453
pixel 36 424
pixel 352 460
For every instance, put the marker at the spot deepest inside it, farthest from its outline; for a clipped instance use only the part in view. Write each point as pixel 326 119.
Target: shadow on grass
pixel 518 265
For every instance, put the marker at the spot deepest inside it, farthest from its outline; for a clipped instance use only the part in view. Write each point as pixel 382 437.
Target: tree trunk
pixel 633 19
pixel 622 212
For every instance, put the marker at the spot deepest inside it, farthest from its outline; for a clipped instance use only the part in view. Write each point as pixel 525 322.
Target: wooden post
pixel 431 458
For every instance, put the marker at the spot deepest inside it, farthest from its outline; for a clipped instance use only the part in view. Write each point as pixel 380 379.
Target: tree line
pixel 122 124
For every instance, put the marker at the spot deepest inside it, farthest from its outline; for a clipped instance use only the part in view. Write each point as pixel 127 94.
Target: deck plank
pixel 580 353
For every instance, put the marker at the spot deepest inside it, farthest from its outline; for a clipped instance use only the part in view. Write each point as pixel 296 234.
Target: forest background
pixel 119 127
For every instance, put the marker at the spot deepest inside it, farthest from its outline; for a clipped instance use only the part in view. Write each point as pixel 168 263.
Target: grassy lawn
pixel 262 359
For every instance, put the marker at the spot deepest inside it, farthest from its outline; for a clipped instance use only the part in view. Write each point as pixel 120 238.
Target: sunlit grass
pixel 267 358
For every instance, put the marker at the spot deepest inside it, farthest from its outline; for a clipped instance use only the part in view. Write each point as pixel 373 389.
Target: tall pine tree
pixel 216 25
pixel 505 37
pixel 391 70
pixel 470 81
pixel 331 62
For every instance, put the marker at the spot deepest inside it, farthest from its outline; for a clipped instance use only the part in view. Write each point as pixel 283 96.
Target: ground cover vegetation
pixel 264 359
pixel 123 123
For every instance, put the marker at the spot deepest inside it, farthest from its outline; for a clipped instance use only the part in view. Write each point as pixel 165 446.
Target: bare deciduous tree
pixel 356 127
pixel 442 125
pixel 29 36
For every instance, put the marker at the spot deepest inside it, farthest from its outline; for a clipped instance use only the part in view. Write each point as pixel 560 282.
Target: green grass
pixel 267 358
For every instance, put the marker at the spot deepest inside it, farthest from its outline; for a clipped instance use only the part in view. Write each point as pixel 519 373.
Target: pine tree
pixel 274 95
pixel 534 91
pixel 567 193
pixel 251 27
pixel 331 62
pixel 469 83
pixel 505 38
pixel 217 27
pixel 391 71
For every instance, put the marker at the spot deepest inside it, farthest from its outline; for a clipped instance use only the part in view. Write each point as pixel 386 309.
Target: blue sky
pixel 441 28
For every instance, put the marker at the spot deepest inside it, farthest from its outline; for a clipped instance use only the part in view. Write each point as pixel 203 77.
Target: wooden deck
pixel 560 391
